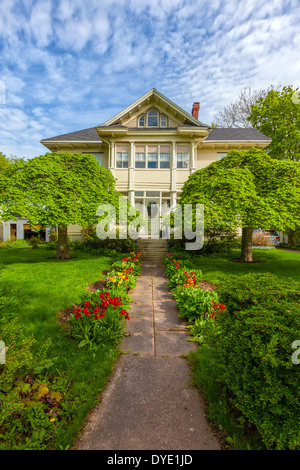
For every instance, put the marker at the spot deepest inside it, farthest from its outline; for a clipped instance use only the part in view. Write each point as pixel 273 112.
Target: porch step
pixel 152 249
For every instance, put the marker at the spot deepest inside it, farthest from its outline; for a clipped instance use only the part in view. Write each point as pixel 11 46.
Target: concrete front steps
pixel 152 249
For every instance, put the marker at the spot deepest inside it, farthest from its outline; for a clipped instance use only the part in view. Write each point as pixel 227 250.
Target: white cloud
pixel 70 64
pixel 40 23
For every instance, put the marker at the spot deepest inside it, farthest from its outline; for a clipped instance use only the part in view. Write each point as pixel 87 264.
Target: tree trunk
pixel 63 251
pixel 246 254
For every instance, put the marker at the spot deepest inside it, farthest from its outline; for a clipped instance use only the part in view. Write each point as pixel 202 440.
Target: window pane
pixel 164 156
pixel 183 156
pixel 123 148
pixel 182 148
pixel 140 156
pixel 142 121
pixel 125 161
pixel 140 160
pixel 163 121
pixel 122 156
pixel 139 193
pixel 152 160
pixel 152 119
pixel 182 160
pixel 152 194
pixel 119 160
pixel 140 148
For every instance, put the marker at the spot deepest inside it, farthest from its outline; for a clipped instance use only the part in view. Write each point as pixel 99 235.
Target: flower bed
pixel 101 316
pixel 197 305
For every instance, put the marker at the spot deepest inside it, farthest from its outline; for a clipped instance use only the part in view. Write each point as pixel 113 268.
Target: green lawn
pixel 42 286
pixel 282 263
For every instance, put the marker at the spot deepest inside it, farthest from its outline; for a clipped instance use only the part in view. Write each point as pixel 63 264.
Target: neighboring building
pixel 20 229
pixel 152 146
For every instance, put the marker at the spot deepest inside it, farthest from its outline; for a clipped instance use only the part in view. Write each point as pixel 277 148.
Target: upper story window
pixel 183 156
pixel 163 121
pixel 152 156
pixel 122 156
pixel 140 156
pixel 165 156
pixel 142 121
pixel 152 118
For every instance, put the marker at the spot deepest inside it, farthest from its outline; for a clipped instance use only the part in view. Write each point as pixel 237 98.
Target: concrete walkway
pixel 149 403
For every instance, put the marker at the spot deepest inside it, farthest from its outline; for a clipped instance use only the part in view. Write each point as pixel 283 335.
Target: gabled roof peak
pixel 163 100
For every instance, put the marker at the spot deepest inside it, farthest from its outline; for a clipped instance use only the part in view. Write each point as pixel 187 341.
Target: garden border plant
pixel 243 365
pixel 38 400
pixel 100 317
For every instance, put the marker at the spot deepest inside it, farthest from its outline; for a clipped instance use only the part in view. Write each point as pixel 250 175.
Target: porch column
pixel 192 157
pixel 173 174
pixel 112 158
pixel 131 167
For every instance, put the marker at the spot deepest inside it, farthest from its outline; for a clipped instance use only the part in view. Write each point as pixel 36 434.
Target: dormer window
pixel 152 118
pixel 142 121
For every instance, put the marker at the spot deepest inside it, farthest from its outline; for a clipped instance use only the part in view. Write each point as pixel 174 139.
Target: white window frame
pixel 153 110
pixel 146 167
pixel 186 160
pixel 160 118
pixel 142 116
pixel 123 158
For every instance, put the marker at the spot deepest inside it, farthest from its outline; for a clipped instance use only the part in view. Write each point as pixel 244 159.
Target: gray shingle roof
pixel 220 133
pixel 86 135
pixel 234 133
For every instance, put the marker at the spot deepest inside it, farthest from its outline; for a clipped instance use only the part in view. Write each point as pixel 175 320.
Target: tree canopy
pixel 277 115
pixel 57 189
pixel 246 189
pixel 6 161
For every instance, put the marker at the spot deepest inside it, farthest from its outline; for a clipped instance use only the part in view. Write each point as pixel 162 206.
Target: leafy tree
pixel 6 161
pixel 246 189
pixel 57 189
pixel 277 115
pixel 236 114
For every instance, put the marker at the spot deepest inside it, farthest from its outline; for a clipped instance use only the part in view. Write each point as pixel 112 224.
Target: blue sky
pixel 68 65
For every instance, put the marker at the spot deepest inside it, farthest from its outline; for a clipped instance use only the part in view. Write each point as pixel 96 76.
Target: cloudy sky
pixel 68 65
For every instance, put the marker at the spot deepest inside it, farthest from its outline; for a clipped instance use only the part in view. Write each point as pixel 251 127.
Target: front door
pixel 153 210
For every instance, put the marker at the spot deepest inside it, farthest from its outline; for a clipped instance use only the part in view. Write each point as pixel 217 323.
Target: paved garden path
pixel 149 403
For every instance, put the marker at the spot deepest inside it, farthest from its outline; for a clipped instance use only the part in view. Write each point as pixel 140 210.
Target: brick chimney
pixel 195 110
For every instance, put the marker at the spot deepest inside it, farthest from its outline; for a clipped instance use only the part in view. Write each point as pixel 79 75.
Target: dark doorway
pixel 13 231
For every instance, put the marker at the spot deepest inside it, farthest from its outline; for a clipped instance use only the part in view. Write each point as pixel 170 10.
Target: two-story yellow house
pixel 152 146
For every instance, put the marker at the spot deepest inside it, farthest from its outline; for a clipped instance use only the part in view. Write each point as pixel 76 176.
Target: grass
pixel 283 264
pixel 42 286
pixel 279 262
